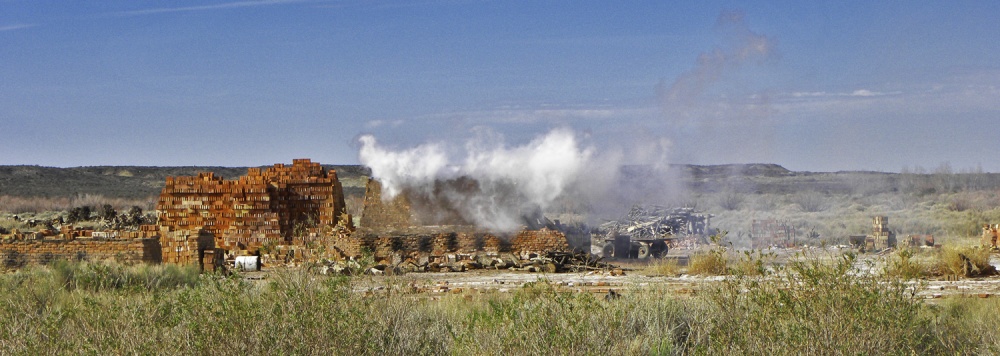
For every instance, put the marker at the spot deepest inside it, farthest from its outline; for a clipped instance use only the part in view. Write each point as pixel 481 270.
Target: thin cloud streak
pixel 228 5
pixel 856 93
pixel 964 97
pixel 543 115
pixel 16 27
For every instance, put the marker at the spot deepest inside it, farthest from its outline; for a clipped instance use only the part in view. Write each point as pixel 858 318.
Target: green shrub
pixel 713 261
pixel 813 308
pixel 905 264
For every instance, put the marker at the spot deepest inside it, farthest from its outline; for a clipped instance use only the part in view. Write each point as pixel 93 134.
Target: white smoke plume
pixel 509 181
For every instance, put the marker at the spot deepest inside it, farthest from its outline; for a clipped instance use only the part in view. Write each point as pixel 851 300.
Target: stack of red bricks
pixel 261 208
pixel 539 241
pixel 16 253
pixel 881 237
pixel 179 248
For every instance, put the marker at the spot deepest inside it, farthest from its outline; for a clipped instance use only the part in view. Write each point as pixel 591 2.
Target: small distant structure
pixel 920 240
pixel 880 238
pixel 858 241
pixel 989 238
pixel 772 232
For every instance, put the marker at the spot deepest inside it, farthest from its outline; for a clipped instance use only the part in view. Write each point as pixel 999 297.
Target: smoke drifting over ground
pixel 492 185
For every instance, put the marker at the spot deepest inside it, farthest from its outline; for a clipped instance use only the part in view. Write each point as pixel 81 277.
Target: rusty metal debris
pixel 648 231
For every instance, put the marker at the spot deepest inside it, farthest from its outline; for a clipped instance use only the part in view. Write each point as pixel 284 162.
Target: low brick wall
pixel 15 254
pixel 539 242
pixel 384 245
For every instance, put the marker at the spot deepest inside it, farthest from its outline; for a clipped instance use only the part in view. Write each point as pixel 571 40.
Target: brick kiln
pixel 413 226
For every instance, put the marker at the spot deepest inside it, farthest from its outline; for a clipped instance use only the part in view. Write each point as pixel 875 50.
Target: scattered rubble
pixel 550 262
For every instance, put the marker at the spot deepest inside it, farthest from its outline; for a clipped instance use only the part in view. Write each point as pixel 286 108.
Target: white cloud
pixel 374 124
pixel 808 94
pixel 864 92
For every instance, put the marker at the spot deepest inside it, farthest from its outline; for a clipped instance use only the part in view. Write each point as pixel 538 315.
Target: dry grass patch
pixel 964 261
pixel 712 262
pixel 668 267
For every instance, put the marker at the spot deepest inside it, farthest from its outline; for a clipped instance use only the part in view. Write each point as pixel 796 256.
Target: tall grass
pixel 712 262
pixel 103 276
pixel 668 267
pixel 809 307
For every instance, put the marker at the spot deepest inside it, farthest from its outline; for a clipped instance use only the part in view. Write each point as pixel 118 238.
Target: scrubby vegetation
pixel 807 306
pixel 826 208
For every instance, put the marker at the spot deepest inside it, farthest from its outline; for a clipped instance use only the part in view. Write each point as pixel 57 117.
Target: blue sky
pixel 820 86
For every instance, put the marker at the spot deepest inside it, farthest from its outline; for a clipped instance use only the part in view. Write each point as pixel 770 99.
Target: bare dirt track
pixel 631 277
pixel 603 283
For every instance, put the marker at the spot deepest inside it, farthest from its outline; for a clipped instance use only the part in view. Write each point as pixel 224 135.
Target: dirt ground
pixel 633 277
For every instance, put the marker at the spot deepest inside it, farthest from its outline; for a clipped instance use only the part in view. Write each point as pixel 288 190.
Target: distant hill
pixel 728 170
pixel 134 182
pixel 131 182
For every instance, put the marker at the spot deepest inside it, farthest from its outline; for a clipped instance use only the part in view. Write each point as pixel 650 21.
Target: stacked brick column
pixel 881 237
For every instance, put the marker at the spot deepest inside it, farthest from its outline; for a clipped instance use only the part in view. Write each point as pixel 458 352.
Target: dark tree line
pixel 110 218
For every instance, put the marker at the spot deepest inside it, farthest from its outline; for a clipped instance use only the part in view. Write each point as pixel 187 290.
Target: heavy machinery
pixel 647 232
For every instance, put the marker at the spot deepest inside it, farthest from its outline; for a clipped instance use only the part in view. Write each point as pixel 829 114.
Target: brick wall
pixel 14 254
pixel 539 241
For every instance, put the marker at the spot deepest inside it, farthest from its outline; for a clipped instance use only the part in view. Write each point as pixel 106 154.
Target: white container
pixel 247 263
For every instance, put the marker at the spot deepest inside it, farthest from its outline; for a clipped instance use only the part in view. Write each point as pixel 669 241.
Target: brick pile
pixel 185 247
pixel 772 232
pixel 881 238
pixel 262 208
pixel 493 244
pixel 18 253
pixel 416 244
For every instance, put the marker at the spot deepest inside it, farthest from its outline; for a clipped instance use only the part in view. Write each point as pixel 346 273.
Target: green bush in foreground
pixel 807 307
pixel 814 307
